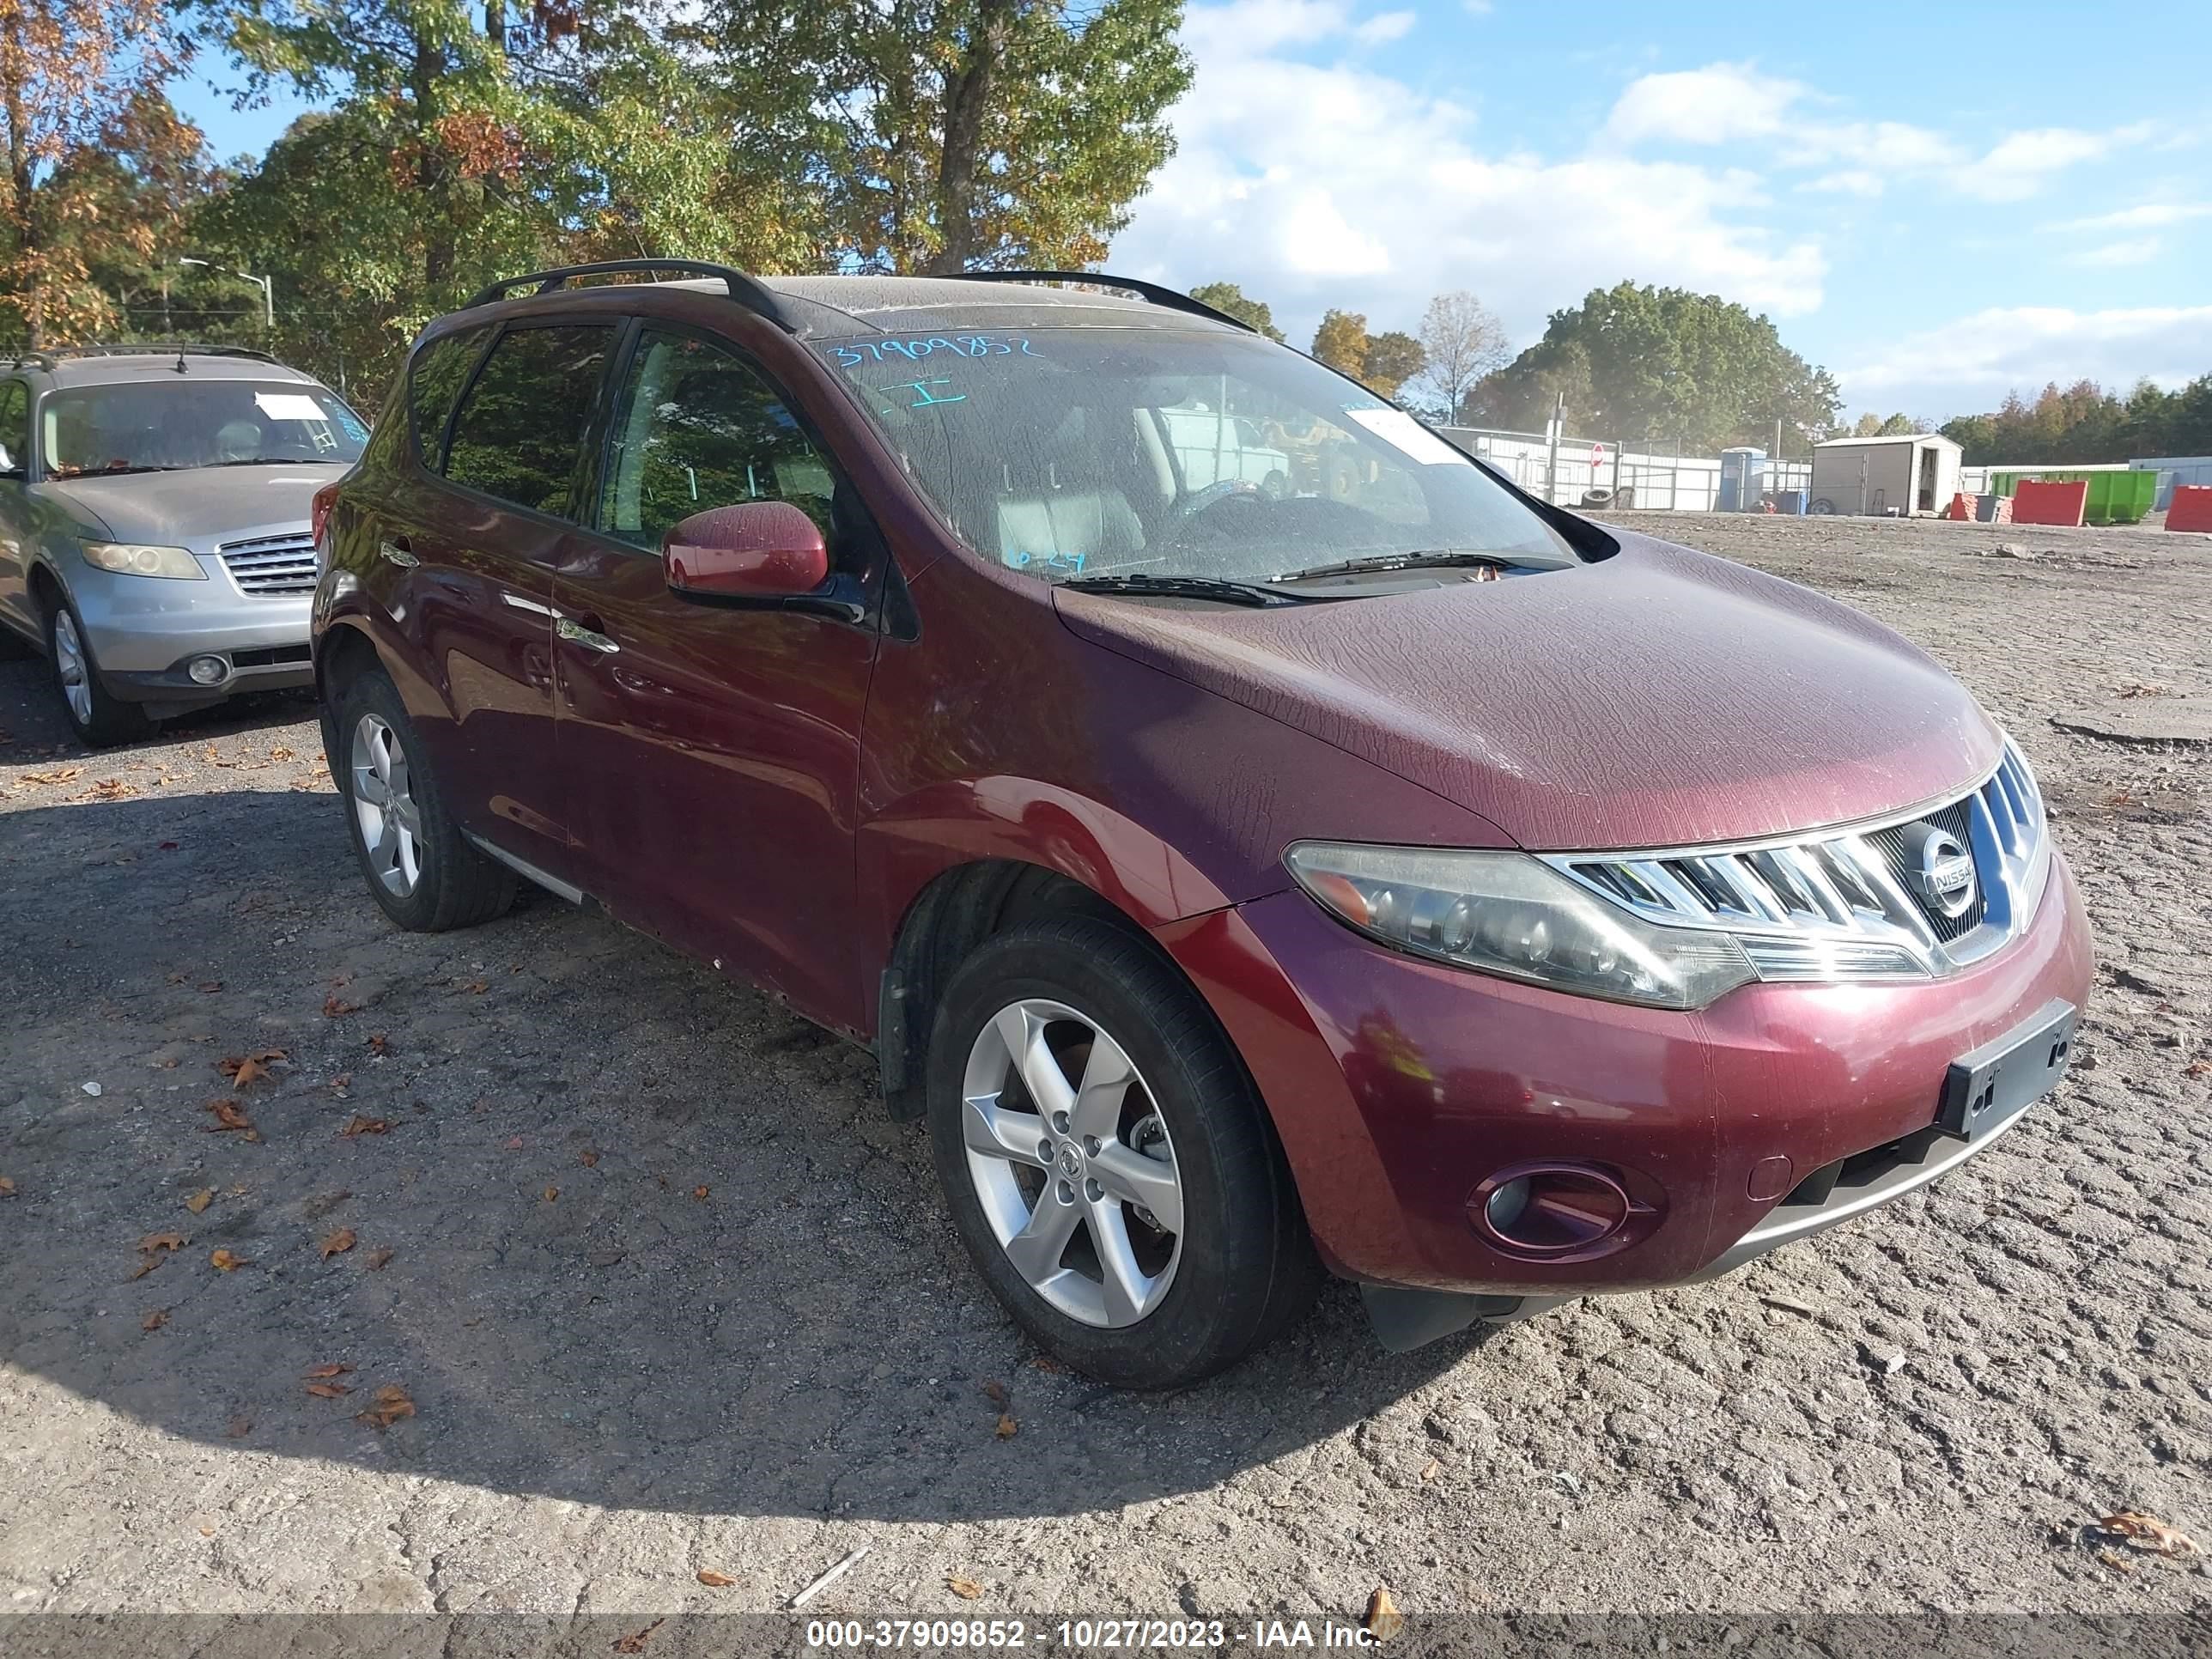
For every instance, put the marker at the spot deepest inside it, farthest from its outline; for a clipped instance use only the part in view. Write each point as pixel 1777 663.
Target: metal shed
pixel 1912 473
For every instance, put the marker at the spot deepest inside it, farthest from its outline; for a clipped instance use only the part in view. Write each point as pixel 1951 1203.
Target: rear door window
pixel 521 425
pixel 434 379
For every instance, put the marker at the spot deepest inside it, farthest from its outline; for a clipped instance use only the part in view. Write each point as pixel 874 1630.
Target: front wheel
pixel 100 720
pixel 1106 1161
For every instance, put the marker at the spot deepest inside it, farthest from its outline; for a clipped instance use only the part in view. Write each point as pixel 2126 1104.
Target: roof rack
pixel 748 291
pixel 47 356
pixel 1172 299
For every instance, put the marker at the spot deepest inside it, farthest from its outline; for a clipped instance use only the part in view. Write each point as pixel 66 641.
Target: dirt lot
pixel 667 1294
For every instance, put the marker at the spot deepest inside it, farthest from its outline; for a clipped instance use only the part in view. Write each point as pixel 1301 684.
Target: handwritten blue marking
pixel 851 355
pixel 923 397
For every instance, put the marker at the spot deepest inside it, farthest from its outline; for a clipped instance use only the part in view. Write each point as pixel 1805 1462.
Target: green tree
pixel 1390 359
pixel 1341 342
pixel 80 100
pixel 1229 298
pixel 1669 365
pixel 938 135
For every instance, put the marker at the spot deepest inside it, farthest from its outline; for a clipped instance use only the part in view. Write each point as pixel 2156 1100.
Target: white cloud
pixel 1851 181
pixel 1387 26
pixel 1317 184
pixel 2133 251
pixel 1720 104
pixel 2018 166
pixel 2151 216
pixel 1970 364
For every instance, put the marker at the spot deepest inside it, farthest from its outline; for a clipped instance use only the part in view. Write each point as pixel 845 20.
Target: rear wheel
pixel 1105 1159
pixel 421 870
pixel 100 720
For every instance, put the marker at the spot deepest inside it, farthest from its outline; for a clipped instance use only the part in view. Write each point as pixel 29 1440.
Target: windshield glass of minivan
pixel 164 425
pixel 1141 452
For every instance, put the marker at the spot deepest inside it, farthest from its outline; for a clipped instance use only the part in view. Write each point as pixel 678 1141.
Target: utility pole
pixel 1552 453
pixel 266 285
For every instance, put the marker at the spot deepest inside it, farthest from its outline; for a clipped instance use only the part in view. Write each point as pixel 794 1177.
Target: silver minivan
pixel 155 524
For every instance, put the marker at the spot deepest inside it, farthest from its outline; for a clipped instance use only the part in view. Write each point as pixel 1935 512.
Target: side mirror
pixel 752 551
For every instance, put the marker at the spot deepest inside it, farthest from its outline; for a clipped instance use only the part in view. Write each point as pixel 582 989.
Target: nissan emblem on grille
pixel 1940 871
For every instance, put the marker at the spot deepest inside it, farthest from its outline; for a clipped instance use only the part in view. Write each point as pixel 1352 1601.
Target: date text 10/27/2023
pixel 1158 1635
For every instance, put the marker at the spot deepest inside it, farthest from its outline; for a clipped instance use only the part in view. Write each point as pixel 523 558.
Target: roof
pixel 98 368
pixel 1893 438
pixel 818 307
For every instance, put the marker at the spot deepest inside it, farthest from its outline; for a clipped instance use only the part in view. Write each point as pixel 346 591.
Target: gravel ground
pixel 667 1294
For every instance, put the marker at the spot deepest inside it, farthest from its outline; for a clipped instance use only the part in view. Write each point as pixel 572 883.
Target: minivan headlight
pixel 139 559
pixel 1510 914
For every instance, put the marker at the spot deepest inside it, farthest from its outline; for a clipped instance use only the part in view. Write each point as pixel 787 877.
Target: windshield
pixel 163 425
pixel 1090 453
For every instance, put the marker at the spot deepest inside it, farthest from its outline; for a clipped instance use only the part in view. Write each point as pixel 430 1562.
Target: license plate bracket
pixel 1986 1087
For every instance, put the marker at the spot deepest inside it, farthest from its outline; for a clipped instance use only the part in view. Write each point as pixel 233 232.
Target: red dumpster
pixel 2035 503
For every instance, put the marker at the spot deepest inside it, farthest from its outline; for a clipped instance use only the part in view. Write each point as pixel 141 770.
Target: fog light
pixel 1550 1209
pixel 208 670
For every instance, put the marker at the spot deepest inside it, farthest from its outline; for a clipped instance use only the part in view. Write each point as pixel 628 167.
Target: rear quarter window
pixel 520 432
pixel 434 379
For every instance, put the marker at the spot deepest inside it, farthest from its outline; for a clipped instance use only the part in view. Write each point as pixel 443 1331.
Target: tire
pixel 99 719
pixel 423 874
pixel 1822 508
pixel 1236 1269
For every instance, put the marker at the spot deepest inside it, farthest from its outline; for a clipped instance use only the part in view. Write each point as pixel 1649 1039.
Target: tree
pixel 944 134
pixel 1341 342
pixel 1229 298
pixel 2083 423
pixel 1664 364
pixel 1390 361
pixel 1461 341
pixel 79 80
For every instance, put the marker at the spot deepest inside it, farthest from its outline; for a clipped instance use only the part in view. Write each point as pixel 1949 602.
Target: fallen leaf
pixel 1045 1362
pixel 1383 1620
pixel 337 1244
pixel 1007 1427
pixel 377 1044
pixel 7 1186
pixel 155 1321
pixel 474 987
pixel 239 1428
pixel 714 1580
pixel 167 845
pixel 330 1369
pixel 341 1082
pixel 552 1193
pixel 700 1193
pixel 224 1262
pixel 634 1643
pixel 966 1588
pixel 995 1392
pixel 229 1114
pixel 280 753
pixel 514 1143
pixel 1430 1469
pixel 358 1125
pixel 589 1160
pixel 245 1071
pixel 199 1201
pixel 212 986
pixel 377 1259
pixel 334 1007
pixel 387 1407
pixel 153 1241
pixel 329 1390
pixel 2150 1532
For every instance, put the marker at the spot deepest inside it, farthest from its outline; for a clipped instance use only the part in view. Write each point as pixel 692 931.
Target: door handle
pixel 396 551
pixel 591 638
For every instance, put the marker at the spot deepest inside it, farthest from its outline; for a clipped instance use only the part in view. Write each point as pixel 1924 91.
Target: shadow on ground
pixel 651 1242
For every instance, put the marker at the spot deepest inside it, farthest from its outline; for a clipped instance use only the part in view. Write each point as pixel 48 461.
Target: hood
pixel 206 504
pixel 1658 698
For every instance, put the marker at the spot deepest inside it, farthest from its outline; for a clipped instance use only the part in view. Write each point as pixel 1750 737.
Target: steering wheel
pixel 1206 499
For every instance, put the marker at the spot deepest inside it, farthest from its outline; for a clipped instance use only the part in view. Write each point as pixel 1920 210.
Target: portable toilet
pixel 1743 479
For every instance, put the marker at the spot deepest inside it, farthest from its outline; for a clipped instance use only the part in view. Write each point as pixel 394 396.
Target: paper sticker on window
pixel 290 406
pixel 1402 432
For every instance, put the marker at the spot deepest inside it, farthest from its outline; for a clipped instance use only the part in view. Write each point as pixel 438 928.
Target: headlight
pixel 1506 914
pixel 137 559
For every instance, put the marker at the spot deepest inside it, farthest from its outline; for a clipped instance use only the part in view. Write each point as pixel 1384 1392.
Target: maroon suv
pixel 1253 835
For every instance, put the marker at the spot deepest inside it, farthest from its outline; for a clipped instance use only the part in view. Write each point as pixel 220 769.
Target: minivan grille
pixel 272 567
pixel 1847 905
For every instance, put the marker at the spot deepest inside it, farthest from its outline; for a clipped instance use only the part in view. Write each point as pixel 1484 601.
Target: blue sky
pixel 1940 202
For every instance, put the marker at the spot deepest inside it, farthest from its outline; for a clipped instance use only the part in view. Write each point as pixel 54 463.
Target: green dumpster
pixel 2116 497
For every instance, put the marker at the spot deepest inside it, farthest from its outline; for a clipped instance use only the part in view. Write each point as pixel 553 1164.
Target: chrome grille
pixel 1841 904
pixel 272 567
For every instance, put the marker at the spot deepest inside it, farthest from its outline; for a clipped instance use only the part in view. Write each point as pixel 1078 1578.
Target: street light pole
pixel 266 285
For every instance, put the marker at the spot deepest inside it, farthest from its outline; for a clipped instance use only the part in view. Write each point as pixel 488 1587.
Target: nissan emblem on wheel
pixel 1255 839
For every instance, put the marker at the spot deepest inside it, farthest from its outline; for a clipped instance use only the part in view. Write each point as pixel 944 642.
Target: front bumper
pixel 1398 1085
pixel 142 631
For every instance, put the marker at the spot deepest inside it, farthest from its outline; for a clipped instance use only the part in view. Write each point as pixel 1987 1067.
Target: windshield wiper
pixel 1434 558
pixel 1182 587
pixel 117 471
pixel 271 460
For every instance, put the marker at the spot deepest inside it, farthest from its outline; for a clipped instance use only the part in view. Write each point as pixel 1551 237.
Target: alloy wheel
pixel 1071 1163
pixel 384 805
pixel 71 668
